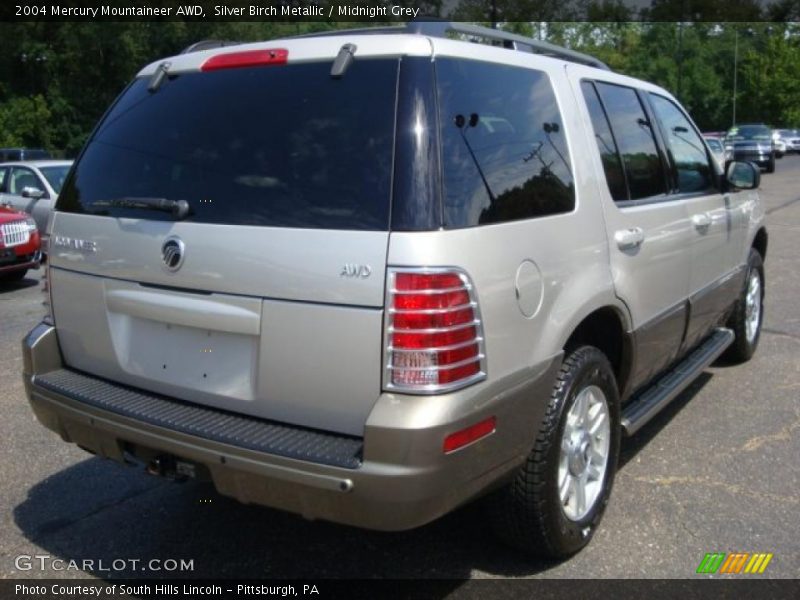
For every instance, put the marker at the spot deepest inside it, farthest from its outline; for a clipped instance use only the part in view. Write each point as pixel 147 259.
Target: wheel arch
pixel 605 329
pixel 760 242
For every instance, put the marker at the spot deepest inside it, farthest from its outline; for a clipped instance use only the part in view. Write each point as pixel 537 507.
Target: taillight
pixel 434 336
pixel 248 58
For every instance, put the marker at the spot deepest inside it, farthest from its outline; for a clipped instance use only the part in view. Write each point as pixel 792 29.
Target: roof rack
pixel 208 45
pixel 508 40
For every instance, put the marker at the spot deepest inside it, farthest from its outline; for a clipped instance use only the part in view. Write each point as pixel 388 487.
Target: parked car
pixel 779 144
pixel 33 187
pixel 753 143
pixel 16 154
pixel 433 270
pixel 717 147
pixel 20 245
pixel 791 137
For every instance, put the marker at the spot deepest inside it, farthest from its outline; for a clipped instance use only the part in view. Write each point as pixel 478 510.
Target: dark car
pixel 15 154
pixel 753 143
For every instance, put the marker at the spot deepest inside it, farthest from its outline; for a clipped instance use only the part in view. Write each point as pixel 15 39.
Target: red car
pixel 20 245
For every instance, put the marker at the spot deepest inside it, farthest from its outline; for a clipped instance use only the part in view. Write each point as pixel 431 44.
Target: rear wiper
pixel 178 208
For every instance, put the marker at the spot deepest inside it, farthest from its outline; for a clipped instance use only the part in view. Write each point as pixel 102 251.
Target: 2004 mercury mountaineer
pixel 368 277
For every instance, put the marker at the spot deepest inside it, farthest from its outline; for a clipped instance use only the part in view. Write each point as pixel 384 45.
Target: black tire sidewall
pixel 592 368
pixel 754 263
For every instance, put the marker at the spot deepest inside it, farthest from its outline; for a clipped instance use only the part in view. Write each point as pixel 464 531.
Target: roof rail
pixel 508 40
pixel 208 45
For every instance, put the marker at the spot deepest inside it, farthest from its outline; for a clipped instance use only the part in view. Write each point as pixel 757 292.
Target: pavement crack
pixel 731 488
pixel 783 435
pixel 782 206
pixel 781 333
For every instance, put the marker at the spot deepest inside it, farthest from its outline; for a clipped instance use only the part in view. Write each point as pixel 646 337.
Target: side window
pixel 685 146
pixel 606 144
pixel 634 135
pixel 22 178
pixel 3 173
pixel 504 152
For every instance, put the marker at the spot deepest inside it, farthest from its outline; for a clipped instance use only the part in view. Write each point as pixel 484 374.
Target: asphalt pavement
pixel 716 472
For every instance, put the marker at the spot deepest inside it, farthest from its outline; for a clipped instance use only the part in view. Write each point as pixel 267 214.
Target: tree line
pixel 57 78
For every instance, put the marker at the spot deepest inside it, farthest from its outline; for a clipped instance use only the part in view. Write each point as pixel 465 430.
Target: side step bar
pixel 646 404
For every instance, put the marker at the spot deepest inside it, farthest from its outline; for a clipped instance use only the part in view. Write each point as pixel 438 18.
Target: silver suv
pixel 371 276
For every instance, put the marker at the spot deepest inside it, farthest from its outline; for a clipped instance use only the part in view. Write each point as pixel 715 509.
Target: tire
pixel 14 275
pixel 746 341
pixel 529 513
pixel 771 164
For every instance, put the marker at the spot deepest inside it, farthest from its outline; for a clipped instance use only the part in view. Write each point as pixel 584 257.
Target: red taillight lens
pixel 459 439
pixel 249 58
pixel 434 339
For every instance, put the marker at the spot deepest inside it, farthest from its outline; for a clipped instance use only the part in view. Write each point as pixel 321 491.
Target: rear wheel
pixel 558 497
pixel 748 314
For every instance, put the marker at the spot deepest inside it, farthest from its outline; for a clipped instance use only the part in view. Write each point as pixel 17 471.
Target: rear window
pixel 504 150
pixel 55 176
pixel 284 146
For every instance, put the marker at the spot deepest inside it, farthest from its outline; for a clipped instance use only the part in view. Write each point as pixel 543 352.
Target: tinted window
pixel 750 132
pixel 609 153
pixel 504 152
pixel 286 146
pixel 634 136
pixel 685 146
pixel 3 179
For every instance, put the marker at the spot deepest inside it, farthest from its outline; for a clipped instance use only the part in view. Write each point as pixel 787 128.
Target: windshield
pixel 55 176
pixel 750 132
pixel 283 146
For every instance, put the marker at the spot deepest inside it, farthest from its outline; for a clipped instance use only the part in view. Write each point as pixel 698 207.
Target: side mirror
pixel 32 193
pixel 743 175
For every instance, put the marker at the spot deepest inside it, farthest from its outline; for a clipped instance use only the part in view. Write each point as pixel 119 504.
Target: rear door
pixel 718 223
pixel 649 231
pixel 267 298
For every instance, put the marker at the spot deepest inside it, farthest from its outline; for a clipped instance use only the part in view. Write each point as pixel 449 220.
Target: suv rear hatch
pixel 223 237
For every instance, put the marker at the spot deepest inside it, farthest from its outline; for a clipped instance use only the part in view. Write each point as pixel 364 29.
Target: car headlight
pixel 31 224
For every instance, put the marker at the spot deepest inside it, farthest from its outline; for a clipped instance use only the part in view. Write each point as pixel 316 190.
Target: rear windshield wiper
pixel 179 209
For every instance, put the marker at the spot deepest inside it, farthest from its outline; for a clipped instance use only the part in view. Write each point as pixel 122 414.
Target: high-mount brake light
pixel 434 336
pixel 248 58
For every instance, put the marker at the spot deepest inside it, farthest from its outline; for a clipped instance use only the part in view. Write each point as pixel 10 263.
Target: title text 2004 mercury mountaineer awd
pixel 368 277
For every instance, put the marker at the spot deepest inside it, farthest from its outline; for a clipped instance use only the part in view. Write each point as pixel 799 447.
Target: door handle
pixel 628 239
pixel 702 220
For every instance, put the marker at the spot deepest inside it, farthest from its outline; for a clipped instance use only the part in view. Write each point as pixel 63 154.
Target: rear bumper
pixel 401 480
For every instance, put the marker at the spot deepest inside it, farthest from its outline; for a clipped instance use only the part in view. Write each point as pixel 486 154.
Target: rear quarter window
pixel 504 151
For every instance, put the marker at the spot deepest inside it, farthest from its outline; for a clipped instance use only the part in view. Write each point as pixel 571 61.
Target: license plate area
pixel 191 358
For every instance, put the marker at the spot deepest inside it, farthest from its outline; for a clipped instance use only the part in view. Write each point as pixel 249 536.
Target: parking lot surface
pixel 715 472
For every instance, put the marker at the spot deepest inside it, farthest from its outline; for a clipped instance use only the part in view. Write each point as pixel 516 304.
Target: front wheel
pixel 748 313
pixel 558 497
pixel 771 164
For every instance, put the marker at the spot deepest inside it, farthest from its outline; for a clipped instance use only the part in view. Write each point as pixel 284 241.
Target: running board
pixel 647 403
